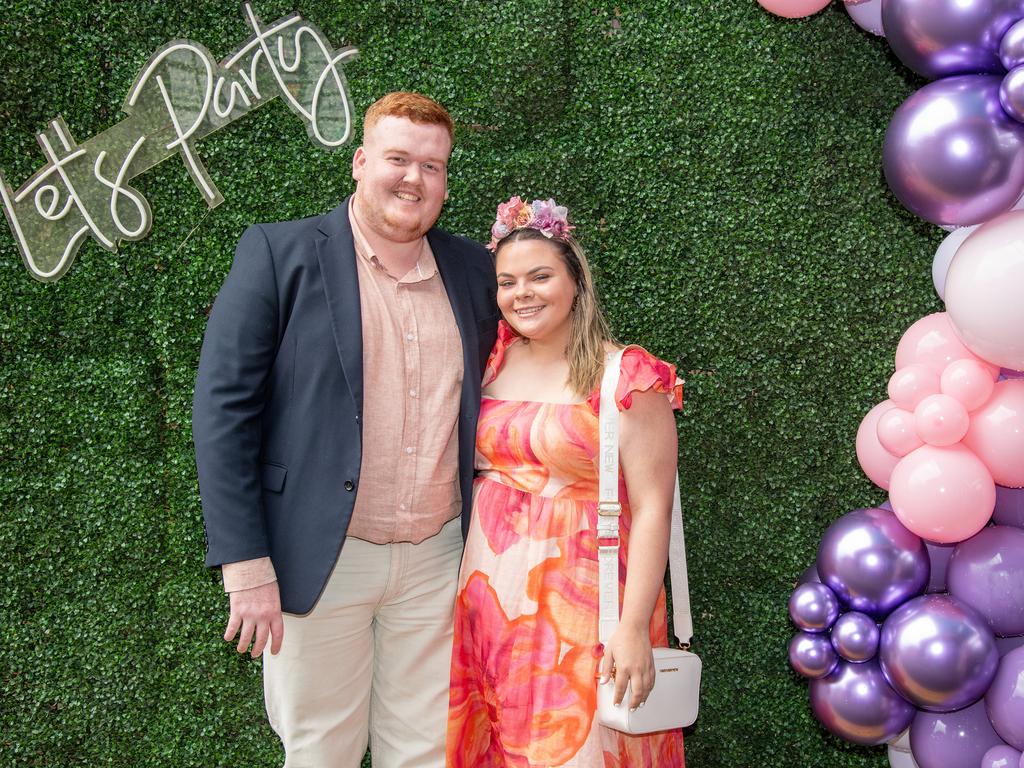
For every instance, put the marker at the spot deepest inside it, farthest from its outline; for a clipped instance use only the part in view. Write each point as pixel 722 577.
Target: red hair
pixel 412 106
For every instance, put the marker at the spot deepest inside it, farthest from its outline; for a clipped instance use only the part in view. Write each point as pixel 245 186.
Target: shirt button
pixel 410 336
pixel 349 485
pixel 401 507
pixel 408 449
pixel 412 393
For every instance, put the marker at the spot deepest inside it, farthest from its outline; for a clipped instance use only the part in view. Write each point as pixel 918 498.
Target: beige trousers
pixel 371 661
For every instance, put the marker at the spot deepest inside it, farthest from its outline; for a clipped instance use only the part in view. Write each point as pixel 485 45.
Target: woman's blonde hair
pixel 588 332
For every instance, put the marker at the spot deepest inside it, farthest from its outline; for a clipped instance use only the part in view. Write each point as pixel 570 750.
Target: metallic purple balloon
pixel 1009 506
pixel 952 739
pixel 938 653
pixel 1011 46
pixel 857 704
pixel 813 607
pixel 855 637
pixel 811 655
pixel 939 38
pixel 872 562
pixel 1007 644
pixel 1011 93
pixel 952 155
pixel 1003 756
pixel 1004 701
pixel 987 573
pixel 938 555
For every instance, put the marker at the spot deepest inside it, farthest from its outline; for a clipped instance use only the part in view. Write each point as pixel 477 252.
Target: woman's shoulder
pixel 506 338
pixel 641 371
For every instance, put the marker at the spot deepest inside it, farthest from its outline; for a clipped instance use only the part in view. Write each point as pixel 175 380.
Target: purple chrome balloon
pixel 811 655
pixel 1011 46
pixel 952 739
pixel 1004 701
pixel 938 653
pixel 952 155
pixel 1011 93
pixel 813 607
pixel 939 38
pixel 872 562
pixel 1009 506
pixel 855 637
pixel 1003 756
pixel 938 556
pixel 987 573
pixel 857 704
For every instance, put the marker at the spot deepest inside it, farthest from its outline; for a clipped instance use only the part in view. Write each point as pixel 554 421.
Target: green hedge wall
pixel 723 166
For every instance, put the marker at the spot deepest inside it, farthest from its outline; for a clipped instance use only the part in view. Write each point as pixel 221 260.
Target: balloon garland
pixel 911 622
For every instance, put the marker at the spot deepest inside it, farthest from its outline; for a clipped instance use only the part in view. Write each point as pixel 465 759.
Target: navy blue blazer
pixel 276 415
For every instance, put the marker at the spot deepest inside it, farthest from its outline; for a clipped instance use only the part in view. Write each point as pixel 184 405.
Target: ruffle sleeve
pixel 506 337
pixel 641 371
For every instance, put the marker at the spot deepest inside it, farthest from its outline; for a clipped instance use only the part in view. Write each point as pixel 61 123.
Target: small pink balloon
pixel 996 433
pixel 876 462
pixel 968 381
pixel 944 495
pixel 897 432
pixel 933 341
pixel 793 9
pixel 912 384
pixel 941 420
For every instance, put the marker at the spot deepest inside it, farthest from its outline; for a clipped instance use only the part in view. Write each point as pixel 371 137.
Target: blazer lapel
pixel 337 257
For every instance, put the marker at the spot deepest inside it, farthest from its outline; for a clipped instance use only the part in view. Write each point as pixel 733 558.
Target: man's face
pixel 401 174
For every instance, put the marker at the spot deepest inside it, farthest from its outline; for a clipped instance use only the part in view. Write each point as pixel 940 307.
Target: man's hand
pixel 257 613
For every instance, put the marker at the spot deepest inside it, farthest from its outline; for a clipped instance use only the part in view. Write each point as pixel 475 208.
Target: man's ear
pixel 358 161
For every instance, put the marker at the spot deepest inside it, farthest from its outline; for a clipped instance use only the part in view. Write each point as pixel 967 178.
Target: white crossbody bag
pixel 674 700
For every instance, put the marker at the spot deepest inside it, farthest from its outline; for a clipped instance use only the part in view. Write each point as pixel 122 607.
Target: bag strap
pixel 609 509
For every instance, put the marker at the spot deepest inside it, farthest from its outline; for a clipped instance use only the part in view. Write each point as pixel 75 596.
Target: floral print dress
pixel 526 651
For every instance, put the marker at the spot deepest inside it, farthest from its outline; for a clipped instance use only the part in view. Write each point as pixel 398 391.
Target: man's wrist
pixel 248 574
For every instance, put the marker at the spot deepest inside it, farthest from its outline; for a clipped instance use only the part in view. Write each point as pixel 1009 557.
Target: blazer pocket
pixel 272 476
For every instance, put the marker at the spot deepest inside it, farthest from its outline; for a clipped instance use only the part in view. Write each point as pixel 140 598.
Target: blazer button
pixel 349 485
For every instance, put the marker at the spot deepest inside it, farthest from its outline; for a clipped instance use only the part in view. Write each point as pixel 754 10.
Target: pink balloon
pixel 933 341
pixel 968 381
pixel 984 287
pixel 941 420
pixel 944 495
pixel 876 462
pixel 996 434
pixel 793 9
pixel 897 432
pixel 912 384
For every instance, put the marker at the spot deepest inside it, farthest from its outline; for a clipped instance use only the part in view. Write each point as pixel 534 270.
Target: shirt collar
pixel 424 269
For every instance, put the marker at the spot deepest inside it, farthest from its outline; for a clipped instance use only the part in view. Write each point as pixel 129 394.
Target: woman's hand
pixel 629 654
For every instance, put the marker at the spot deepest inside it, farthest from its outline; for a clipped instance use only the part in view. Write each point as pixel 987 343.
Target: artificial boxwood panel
pixel 723 168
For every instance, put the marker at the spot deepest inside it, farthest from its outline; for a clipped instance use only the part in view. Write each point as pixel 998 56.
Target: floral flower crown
pixel 546 216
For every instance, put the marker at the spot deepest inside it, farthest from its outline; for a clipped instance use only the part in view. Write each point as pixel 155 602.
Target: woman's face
pixel 535 289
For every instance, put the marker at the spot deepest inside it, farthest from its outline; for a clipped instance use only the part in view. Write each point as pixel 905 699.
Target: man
pixel 334 421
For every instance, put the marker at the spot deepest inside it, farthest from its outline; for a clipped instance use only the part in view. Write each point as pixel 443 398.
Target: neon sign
pixel 179 97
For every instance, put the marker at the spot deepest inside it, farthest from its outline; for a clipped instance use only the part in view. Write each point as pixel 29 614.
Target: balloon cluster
pixel 933 664
pixel 954 151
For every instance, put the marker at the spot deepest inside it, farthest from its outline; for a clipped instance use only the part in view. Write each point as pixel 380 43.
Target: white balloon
pixel 900 759
pixel 866 14
pixel 901 742
pixel 944 257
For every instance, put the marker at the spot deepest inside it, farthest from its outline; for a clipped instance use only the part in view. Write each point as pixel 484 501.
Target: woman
pixel 526 656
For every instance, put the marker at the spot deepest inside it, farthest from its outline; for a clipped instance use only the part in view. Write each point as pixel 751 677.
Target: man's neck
pixel 396 258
